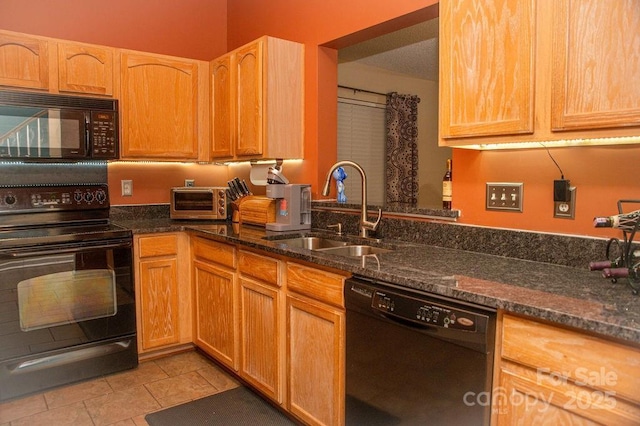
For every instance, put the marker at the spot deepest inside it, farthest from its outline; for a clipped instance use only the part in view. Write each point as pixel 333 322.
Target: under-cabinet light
pixel 627 140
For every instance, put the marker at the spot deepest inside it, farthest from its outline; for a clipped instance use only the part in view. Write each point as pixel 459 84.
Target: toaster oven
pixel 203 203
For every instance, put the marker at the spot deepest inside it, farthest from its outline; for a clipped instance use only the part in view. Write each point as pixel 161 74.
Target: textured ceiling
pixel 412 51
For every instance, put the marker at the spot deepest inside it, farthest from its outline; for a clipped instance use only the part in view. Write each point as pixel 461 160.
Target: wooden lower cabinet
pixel 163 296
pixel 552 375
pixel 262 332
pixel 216 301
pixel 315 345
pixel 280 325
pixel 315 360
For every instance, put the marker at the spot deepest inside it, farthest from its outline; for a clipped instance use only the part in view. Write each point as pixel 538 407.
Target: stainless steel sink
pixel 354 250
pixel 312 243
pixel 331 246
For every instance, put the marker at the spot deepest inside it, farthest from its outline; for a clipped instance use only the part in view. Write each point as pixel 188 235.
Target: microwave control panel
pixel 103 129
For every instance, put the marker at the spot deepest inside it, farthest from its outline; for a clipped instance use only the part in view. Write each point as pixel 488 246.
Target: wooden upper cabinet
pixel 596 64
pixel 85 69
pixel 222 135
pixel 538 71
pixel 486 67
pixel 24 61
pixel 249 99
pixel 258 107
pixel 159 107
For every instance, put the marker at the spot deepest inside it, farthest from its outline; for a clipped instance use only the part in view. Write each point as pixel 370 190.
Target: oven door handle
pixel 14 254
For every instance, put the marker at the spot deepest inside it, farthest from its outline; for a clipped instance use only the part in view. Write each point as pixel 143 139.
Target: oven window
pixel 185 201
pixel 66 297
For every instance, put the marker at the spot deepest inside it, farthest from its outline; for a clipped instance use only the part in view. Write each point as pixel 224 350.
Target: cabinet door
pixel 24 61
pixel 249 98
pixel 486 67
pixel 159 302
pixel 596 64
pixel 85 69
pixel 553 375
pixel 315 358
pixel 217 321
pixel 528 403
pixel 222 135
pixel 159 107
pixel 262 363
pixel 527 396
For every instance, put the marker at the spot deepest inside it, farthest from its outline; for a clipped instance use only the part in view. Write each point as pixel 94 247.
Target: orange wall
pixel 189 28
pixel 203 29
pixel 152 181
pixel 317 24
pixel 602 175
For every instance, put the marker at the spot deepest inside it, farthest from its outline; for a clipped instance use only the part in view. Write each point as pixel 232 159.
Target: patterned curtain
pixel 402 150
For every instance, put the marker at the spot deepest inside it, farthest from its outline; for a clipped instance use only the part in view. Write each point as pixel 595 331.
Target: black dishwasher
pixel 416 359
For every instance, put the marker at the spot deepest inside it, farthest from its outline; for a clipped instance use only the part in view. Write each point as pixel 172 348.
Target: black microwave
pixel 42 126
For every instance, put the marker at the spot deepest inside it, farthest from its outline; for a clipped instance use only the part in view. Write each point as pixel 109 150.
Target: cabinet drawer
pixel 588 360
pixel 321 285
pixel 158 245
pixel 260 267
pixel 213 251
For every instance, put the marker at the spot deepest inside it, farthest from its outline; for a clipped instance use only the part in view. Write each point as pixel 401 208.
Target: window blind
pixel 361 138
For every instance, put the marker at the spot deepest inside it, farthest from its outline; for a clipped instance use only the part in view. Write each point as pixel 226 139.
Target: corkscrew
pixel 623 256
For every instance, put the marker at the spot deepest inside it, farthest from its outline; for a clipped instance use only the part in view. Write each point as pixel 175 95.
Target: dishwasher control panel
pixel 425 312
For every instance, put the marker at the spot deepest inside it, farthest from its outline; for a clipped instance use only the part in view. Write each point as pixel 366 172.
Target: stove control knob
pixel 10 199
pixel 101 196
pixel 88 197
pixel 77 196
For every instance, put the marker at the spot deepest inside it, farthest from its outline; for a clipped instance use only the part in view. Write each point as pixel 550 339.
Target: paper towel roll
pixel 258 173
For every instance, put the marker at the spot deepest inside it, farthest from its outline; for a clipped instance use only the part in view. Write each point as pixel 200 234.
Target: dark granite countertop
pixel 561 294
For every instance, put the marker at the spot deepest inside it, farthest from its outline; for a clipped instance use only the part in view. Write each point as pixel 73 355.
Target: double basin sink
pixel 332 246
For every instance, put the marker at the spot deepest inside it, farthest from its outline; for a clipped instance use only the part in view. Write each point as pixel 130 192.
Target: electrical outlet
pixel 566 209
pixel 189 182
pixel 504 196
pixel 127 188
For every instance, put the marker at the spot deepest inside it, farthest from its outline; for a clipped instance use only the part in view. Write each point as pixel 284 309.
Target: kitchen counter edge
pixel 556 294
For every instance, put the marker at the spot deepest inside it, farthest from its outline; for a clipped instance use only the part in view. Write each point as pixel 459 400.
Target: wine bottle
pixel 615 273
pixel 604 264
pixel 447 192
pixel 625 221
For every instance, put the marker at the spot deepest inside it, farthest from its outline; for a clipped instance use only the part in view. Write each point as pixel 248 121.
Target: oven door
pixel 67 312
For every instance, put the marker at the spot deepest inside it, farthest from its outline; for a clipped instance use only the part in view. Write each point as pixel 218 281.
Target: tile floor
pixel 121 399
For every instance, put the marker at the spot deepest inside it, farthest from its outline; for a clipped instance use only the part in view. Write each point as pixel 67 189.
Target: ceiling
pixel 411 51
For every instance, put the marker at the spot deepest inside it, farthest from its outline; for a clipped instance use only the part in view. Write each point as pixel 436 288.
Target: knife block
pixel 254 210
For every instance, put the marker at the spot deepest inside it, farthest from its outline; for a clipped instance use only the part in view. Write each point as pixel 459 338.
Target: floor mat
pixel 238 406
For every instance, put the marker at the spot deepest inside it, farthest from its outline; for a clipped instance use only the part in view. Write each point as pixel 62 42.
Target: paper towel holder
pixel 260 169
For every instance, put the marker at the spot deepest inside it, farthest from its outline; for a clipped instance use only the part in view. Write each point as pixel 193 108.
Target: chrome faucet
pixel 365 225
